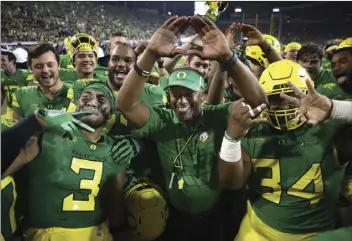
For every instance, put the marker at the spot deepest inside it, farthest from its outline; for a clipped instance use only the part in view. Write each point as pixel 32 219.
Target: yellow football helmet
pixel 274 81
pixel 347 43
pixel 82 42
pixel 274 43
pixel 147 210
pixel 292 45
pixel 256 53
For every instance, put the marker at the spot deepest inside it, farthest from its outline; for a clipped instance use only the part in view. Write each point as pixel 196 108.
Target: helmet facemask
pixel 282 118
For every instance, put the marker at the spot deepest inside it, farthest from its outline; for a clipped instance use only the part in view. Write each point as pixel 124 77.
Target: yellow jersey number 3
pixel 69 204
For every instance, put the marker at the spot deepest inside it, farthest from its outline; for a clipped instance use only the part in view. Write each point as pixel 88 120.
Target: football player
pixel 11 78
pixel 51 92
pixel 297 174
pixel 72 187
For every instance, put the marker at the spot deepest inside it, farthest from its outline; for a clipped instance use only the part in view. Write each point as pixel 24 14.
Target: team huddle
pixel 205 141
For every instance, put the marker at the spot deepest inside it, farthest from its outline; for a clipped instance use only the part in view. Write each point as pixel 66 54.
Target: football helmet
pixel 82 42
pixel 274 43
pixel 274 82
pixel 147 210
pixel 255 53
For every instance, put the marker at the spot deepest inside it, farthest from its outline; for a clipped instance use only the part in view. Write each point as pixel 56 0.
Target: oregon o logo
pixel 181 75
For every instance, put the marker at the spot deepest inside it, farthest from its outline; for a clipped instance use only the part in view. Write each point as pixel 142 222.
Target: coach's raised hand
pixel 214 41
pixel 162 43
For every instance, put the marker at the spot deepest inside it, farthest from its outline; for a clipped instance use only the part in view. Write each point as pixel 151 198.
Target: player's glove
pixel 124 149
pixel 59 119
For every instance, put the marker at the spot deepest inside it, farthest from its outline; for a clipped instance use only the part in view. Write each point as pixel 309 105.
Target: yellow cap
pixel 292 45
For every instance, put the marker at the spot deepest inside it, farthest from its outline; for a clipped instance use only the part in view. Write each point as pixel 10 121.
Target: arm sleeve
pixel 341 110
pixel 14 138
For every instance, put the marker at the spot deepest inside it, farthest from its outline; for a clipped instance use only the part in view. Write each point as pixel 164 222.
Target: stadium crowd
pixel 210 139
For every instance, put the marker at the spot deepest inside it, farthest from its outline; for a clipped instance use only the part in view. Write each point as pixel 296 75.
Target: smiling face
pixel 85 62
pixel 291 55
pixel 185 103
pixel 45 69
pixel 312 63
pixel 341 63
pixel 93 100
pixel 121 61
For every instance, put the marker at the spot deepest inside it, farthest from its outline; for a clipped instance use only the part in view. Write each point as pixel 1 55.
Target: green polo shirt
pixel 201 185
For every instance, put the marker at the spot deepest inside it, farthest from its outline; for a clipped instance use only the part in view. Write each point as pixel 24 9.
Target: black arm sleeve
pixel 14 138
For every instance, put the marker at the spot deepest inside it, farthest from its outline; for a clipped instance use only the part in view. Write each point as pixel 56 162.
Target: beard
pixel 115 79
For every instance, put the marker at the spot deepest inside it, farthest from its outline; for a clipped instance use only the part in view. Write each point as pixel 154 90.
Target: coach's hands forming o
pixel 162 43
pixel 242 117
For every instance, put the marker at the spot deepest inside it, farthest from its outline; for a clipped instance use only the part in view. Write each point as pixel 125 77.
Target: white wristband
pixel 341 110
pixel 230 150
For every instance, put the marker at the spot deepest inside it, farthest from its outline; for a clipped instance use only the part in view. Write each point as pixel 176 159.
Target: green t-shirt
pixel 329 86
pixel 12 83
pixel 27 99
pixel 66 184
pixel 341 234
pixel 296 180
pixel 8 196
pixel 199 146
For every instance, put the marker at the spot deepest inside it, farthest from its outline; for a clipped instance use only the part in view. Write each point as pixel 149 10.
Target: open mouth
pixel 182 109
pixel 46 77
pixel 120 74
pixel 87 66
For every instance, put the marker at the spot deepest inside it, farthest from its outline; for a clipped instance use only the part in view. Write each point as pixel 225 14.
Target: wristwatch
pixel 141 72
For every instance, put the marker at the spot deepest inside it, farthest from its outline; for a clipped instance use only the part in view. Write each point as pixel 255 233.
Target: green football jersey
pixel 296 178
pixel 12 83
pixel 66 185
pixel 329 86
pixel 27 99
pixel 8 196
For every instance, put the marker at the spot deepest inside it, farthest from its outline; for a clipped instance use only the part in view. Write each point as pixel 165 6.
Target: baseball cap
pixel 188 78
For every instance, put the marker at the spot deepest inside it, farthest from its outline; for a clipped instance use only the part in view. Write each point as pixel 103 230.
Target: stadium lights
pixel 238 10
pixel 276 10
pixel 169 13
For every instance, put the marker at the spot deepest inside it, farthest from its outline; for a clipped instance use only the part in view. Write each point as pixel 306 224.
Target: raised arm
pixel 161 45
pixel 235 163
pixel 217 48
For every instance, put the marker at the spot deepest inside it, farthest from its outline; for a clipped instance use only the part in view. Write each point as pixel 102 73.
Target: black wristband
pixel 227 64
pixel 161 64
pixel 119 229
pixel 141 72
